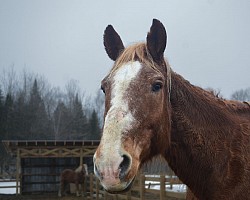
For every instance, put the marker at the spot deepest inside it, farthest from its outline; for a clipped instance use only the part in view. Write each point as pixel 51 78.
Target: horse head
pixel 85 169
pixel 137 109
pixel 82 169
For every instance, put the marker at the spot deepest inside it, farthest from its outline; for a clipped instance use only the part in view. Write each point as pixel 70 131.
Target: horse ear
pixel 112 42
pixel 157 40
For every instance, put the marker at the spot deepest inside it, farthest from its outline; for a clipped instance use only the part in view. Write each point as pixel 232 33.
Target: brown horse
pixel 151 110
pixel 73 176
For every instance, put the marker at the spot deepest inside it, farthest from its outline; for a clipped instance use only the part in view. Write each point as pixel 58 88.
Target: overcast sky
pixel 208 40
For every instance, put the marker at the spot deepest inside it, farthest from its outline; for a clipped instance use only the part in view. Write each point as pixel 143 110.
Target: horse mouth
pixel 119 190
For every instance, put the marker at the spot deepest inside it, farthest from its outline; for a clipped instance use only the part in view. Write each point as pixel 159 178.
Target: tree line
pixel 30 109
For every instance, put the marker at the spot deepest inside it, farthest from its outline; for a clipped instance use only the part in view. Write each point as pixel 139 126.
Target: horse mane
pixel 238 106
pixel 216 125
pixel 205 102
pixel 86 168
pixel 79 169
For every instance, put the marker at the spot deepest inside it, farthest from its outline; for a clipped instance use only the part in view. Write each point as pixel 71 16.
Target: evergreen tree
pixel 1 112
pixel 61 121
pixel 78 126
pixel 21 117
pixel 2 150
pixel 8 114
pixel 38 119
pixel 94 129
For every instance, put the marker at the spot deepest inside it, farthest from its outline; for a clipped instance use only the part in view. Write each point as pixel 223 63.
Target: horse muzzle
pixel 115 174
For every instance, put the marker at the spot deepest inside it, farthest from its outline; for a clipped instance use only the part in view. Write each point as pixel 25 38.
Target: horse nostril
pixel 124 166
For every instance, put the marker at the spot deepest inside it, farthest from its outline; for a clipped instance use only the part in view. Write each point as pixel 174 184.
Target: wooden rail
pixel 143 188
pixel 140 191
pixel 10 180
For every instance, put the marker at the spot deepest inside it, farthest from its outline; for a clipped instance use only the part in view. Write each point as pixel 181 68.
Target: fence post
pixel 91 185
pixel 128 195
pixel 85 185
pixel 162 187
pixel 17 170
pixel 97 188
pixel 171 179
pixel 81 157
pixel 142 187
pixel 105 195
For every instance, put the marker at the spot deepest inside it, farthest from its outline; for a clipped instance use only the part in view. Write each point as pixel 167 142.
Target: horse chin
pixel 118 190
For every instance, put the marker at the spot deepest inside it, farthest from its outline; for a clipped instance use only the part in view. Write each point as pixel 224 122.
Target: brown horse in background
pixel 151 110
pixel 73 176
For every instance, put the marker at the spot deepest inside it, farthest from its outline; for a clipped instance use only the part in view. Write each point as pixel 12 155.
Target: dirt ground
pixel 55 197
pixel 40 197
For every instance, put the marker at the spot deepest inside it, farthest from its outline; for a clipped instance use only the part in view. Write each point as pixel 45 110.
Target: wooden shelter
pixel 40 162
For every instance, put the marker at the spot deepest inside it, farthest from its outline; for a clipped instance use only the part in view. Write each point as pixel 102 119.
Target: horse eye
pixel 102 88
pixel 156 86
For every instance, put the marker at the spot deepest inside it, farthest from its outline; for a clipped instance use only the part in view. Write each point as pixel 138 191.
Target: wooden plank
pixel 27 152
pixel 11 186
pixel 162 187
pixel 41 182
pixel 128 195
pixel 91 186
pixel 102 192
pixel 33 174
pixel 142 187
pixel 157 179
pixel 178 195
pixel 152 191
pixel 47 152
pixel 9 175
pixel 57 152
pixel 81 157
pixel 89 146
pixel 97 188
pixel 135 198
pixel 136 188
pixel 17 170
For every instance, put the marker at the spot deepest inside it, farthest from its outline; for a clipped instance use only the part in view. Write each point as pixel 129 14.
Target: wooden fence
pixel 143 189
pixel 9 182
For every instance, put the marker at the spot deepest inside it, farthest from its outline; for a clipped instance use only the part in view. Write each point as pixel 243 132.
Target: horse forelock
pixel 135 52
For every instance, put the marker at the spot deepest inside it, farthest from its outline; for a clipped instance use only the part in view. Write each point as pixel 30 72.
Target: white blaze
pixel 119 118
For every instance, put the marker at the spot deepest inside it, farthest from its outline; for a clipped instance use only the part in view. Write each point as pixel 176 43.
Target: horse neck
pixel 197 135
pixel 82 173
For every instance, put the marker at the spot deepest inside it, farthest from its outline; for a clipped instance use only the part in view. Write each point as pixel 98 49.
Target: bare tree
pixel 50 95
pixel 72 89
pixel 9 81
pixel 241 95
